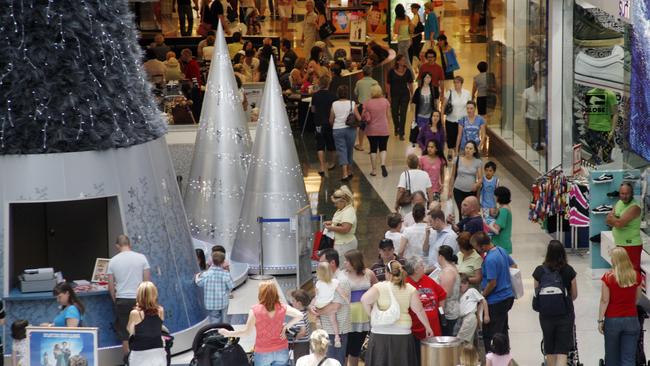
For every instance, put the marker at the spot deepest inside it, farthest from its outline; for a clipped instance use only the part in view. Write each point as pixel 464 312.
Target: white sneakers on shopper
pixel 605 72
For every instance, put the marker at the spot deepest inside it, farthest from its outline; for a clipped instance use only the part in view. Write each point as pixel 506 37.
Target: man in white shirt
pixel 413 180
pixel 440 233
pixel 126 270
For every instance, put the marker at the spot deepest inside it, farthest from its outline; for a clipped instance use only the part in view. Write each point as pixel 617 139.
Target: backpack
pixel 551 297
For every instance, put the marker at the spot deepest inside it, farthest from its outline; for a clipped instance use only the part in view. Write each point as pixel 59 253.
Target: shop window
pixel 65 235
pixel 518 61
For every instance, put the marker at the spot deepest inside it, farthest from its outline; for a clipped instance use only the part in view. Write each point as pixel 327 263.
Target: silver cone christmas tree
pixel 275 188
pixel 215 191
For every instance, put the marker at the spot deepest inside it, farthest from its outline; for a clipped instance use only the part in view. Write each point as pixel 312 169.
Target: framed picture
pixel 99 272
pixel 48 346
pixel 358 31
pixel 253 93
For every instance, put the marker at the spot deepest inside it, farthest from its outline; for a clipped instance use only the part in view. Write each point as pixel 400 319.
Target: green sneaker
pixel 587 32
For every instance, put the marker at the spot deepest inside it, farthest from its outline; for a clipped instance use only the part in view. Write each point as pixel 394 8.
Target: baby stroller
pixel 212 349
pixel 573 359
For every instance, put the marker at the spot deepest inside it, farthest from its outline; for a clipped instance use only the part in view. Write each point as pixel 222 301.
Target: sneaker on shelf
pixel 613 194
pixel 630 176
pixel 604 178
pixel 595 238
pixel 602 209
pixel 589 33
pixel 608 72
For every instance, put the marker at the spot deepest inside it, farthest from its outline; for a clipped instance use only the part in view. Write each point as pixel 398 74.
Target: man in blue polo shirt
pixel 495 286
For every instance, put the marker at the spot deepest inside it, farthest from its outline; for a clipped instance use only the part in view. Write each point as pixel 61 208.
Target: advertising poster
pixel 50 346
pixel 377 18
pixel 342 19
pixel 640 97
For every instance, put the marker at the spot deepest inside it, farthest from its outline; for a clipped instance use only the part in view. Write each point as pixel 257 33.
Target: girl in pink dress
pixel 433 162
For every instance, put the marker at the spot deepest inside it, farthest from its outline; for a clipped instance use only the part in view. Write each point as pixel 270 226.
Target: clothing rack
pixel 550 198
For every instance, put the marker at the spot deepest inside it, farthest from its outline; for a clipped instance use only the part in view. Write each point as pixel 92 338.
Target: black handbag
pixel 351 119
pixel 326 30
pixel 449 108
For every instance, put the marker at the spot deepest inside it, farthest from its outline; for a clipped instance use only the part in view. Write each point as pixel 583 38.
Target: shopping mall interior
pixel 186 124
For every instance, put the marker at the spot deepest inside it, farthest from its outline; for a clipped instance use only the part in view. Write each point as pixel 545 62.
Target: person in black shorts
pixel 557 330
pixel 321 105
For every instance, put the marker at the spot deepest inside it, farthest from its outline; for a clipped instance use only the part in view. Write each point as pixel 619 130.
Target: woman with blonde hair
pixel 617 314
pixel 267 317
pixel 385 339
pixel 318 343
pixel 469 355
pixel 145 327
pixel 376 112
pixel 344 221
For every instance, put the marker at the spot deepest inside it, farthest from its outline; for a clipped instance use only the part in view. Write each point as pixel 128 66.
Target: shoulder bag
pixel 406 196
pixel 326 30
pixel 388 316
pixel 516 282
pixel 449 108
pixel 351 119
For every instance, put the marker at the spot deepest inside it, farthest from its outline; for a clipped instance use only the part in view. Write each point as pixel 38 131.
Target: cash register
pixel 37 280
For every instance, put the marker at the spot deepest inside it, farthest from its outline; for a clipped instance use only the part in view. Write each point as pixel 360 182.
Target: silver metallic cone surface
pixel 275 188
pixel 215 190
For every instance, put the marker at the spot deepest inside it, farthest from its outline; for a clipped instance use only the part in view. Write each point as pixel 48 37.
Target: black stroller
pixel 212 349
pixel 573 358
pixel 640 352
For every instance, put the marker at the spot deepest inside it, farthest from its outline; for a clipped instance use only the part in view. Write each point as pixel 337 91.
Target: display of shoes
pixel 613 194
pixel 630 176
pixel 603 72
pixel 604 178
pixel 602 209
pixel 589 33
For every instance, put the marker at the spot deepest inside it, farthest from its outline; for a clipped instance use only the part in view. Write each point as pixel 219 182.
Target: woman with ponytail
pixel 318 343
pixel 450 281
pixel 393 344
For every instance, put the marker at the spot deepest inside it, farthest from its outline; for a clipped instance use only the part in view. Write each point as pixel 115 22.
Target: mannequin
pixel 601 115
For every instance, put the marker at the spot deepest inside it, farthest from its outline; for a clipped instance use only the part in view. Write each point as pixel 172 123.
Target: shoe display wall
pixel 601 67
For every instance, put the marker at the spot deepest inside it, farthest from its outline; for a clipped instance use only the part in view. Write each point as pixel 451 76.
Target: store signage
pixel 624 9
pixel 61 346
pixel 577 158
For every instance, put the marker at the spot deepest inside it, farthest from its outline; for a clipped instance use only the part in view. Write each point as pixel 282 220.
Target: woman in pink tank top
pixel 267 317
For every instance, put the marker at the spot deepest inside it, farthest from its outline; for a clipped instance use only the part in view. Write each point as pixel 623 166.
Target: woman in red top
pixel 267 317
pixel 432 296
pixel 617 316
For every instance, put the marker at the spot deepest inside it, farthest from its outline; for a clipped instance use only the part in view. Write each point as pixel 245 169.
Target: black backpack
pixel 551 297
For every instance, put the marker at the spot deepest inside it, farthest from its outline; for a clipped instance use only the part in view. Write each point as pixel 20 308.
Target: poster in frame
pixel 100 274
pixel 49 345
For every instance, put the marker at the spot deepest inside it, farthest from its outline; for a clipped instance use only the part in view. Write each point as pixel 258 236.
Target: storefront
pixel 517 57
pixel 591 57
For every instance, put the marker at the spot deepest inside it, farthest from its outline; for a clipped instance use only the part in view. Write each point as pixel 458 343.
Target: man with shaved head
pixel 471 220
pixel 126 270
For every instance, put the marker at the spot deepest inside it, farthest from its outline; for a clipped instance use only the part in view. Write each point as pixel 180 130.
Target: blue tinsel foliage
pixel 71 78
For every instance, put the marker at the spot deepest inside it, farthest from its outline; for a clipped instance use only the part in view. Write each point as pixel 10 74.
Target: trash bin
pixel 440 351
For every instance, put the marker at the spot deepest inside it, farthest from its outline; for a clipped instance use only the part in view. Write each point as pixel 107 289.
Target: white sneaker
pixel 601 72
